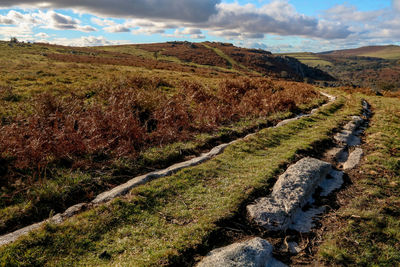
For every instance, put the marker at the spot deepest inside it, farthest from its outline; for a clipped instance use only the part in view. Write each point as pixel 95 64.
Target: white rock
pixel 331 183
pixel 354 159
pixel 303 221
pixel 290 193
pixel 255 252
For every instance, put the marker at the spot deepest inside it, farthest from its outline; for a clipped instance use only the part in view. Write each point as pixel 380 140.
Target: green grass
pixel 370 223
pixel 231 61
pixel 309 59
pixel 157 222
pixel 390 52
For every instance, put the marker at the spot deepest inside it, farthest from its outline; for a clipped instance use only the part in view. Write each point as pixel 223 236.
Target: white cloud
pixel 42 35
pixel 368 27
pixel 103 22
pixel 86 41
pixel 396 4
pixel 57 21
pixel 346 13
pixel 186 32
pixel 21 31
pixel 191 31
pixel 117 28
pixel 13 18
pixel 148 31
pixel 278 17
pixel 4 20
pixel 49 20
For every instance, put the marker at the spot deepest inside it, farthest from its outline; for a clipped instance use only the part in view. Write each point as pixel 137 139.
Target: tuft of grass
pixel 157 223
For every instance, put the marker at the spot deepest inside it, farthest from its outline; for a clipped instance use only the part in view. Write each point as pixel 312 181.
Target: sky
pixel 273 25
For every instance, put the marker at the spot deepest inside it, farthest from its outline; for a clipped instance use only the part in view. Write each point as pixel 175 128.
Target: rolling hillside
pixel 151 154
pixel 385 52
pixel 376 67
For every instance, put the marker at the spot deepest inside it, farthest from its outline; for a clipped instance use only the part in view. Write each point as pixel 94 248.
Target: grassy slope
pixel 370 222
pixel 309 59
pixel 159 221
pixel 392 52
pixel 385 52
pixel 231 61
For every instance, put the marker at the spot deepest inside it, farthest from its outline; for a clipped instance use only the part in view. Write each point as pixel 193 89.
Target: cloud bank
pixel 181 10
pixel 342 25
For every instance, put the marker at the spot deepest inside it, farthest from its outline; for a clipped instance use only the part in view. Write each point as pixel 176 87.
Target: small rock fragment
pixel 354 159
pixel 294 248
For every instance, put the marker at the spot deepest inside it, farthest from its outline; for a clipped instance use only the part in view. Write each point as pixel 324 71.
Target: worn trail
pixel 291 205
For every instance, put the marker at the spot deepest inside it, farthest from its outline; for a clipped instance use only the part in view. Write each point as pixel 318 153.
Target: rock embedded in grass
pixel 354 159
pixel 255 252
pixel 290 193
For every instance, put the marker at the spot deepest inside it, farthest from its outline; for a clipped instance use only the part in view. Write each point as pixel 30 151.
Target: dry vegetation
pixel 134 115
pixel 187 52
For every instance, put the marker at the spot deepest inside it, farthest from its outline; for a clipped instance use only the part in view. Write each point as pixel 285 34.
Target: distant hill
pixel 228 56
pixel 376 67
pixel 385 52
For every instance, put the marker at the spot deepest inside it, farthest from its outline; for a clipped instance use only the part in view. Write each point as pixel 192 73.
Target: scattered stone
pixel 348 136
pixel 284 122
pixel 338 154
pixel 58 218
pixel 290 193
pixel 354 159
pixel 294 248
pixel 74 210
pixel 303 221
pixel 11 237
pixel 331 183
pixel 255 252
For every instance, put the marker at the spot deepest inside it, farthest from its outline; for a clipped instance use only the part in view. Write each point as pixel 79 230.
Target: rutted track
pixel 126 187
pixel 291 204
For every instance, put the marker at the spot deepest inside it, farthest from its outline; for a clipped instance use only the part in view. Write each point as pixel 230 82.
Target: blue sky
pixel 275 25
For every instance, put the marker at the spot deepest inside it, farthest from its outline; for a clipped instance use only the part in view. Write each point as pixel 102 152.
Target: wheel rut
pixel 279 229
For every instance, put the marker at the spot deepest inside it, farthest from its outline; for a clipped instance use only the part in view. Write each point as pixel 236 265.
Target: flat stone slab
pixel 11 237
pixel 255 252
pixel 331 183
pixel 290 193
pixel 347 139
pixel 338 154
pixel 349 135
pixel 284 122
pixel 354 159
pixel 303 221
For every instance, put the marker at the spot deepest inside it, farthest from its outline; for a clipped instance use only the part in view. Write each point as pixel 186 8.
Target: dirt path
pixel 286 221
